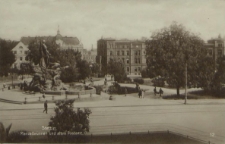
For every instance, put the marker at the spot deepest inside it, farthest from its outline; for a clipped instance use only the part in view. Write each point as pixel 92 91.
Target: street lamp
pixel 91 68
pixel 12 80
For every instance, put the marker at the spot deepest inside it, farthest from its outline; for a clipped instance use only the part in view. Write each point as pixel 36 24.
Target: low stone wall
pixel 92 90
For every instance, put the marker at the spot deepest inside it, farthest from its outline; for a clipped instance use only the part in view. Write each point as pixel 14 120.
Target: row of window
pixel 21 58
pixel 137 69
pixel 123 46
pixel 127 53
pixel 21 52
pixel 219 52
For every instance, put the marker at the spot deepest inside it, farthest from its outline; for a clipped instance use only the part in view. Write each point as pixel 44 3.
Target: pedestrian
pixel 155 91
pixel 160 91
pixel 125 91
pixel 43 95
pixel 45 107
pixel 139 93
pixel 142 93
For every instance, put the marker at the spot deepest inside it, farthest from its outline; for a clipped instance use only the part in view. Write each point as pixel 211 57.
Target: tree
pixel 219 78
pixel 25 68
pixel 7 58
pixel 95 68
pixel 69 74
pixel 170 49
pixel 66 120
pixel 116 68
pixel 84 69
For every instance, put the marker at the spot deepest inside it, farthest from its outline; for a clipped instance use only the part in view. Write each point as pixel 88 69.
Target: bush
pixel 138 80
pixel 98 89
pixel 144 73
pixel 16 136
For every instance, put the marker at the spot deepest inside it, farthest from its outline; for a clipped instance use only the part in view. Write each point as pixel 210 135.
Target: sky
pixel 90 20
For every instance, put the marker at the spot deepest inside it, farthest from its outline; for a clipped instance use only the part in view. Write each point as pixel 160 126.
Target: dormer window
pixel 20 47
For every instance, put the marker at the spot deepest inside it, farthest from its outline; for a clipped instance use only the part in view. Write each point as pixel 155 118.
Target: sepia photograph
pixel 112 71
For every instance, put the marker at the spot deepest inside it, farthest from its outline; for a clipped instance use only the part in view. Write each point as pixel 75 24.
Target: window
pixel 135 59
pixel 220 45
pixel 15 52
pixel 25 52
pixel 135 69
pixel 210 52
pixel 111 53
pixel 139 52
pixel 128 69
pixel 139 60
pixel 127 61
pixel 219 52
pixel 21 52
pixel 118 53
pixel 128 53
pixel 21 58
pixel 122 52
pixel 123 59
pixel 21 47
pixel 139 68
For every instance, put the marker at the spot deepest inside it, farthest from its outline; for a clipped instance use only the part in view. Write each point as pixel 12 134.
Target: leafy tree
pixel 25 68
pixel 116 68
pixel 204 74
pixel 95 68
pixel 219 78
pixel 84 69
pixel 69 74
pixel 7 58
pixel 170 49
pixel 66 120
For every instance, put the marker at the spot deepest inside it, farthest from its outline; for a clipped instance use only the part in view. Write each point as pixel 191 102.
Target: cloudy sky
pixel 89 20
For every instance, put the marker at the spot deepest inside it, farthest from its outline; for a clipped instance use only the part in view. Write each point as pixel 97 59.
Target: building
pixel 20 51
pixel 215 47
pixel 130 52
pixel 90 55
pixel 64 42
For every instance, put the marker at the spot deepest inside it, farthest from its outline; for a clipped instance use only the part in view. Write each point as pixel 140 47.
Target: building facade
pixel 64 42
pixel 215 48
pixel 20 51
pixel 90 55
pixel 130 52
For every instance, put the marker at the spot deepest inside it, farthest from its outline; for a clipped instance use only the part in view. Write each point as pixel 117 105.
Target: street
pixel 202 121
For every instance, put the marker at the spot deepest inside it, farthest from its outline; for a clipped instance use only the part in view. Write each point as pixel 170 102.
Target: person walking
pixel 139 93
pixel 160 91
pixel 45 107
pixel 125 91
pixel 142 93
pixel 155 91
pixel 43 95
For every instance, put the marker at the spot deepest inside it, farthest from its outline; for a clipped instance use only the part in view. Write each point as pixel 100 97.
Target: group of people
pixel 156 92
pixel 140 91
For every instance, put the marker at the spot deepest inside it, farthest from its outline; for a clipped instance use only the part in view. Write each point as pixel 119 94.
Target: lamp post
pixel 12 79
pixel 91 68
pixel 185 101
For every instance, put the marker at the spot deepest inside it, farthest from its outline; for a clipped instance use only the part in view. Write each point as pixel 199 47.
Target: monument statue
pixel 45 70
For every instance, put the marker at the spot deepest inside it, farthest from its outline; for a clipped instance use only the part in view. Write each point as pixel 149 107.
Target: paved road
pixel 200 118
pixel 193 120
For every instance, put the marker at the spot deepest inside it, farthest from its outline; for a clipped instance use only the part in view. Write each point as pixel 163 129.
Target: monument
pixel 45 72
